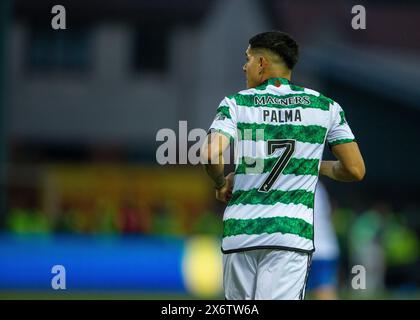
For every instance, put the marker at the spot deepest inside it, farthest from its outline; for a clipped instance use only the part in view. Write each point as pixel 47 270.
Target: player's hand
pixel 225 193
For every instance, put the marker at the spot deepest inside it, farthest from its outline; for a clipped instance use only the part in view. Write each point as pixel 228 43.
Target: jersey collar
pixel 276 81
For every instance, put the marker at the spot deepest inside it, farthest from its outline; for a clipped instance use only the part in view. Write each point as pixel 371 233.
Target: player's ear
pixel 261 61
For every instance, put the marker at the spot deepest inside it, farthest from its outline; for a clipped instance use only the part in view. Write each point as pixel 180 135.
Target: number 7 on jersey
pixel 281 163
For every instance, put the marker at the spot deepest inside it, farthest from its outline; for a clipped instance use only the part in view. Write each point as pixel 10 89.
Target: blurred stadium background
pixel 80 109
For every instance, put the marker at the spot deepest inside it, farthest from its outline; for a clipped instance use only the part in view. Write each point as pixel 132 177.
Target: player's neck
pixel 277 74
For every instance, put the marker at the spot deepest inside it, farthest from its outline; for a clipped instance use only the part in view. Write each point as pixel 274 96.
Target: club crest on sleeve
pixel 220 116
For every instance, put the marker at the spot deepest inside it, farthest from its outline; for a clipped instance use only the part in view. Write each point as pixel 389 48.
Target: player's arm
pixel 349 166
pixel 212 159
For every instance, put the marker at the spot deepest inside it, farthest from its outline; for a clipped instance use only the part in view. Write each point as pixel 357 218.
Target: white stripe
pixel 258 149
pixel 273 239
pixel 249 211
pixel 286 89
pixel 222 125
pixel 312 92
pixel 284 182
pixel 231 101
pixel 252 91
pixel 339 133
pixel 309 116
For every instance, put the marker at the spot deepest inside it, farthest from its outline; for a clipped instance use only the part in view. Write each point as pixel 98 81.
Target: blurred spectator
pixel 366 246
pixel 401 252
pixel 28 221
pixel 105 216
pixel 209 222
pixel 65 221
pixel 164 221
pixel 342 219
pixel 129 218
pixel 323 275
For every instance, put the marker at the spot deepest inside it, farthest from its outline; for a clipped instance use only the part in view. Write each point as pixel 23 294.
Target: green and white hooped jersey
pixel 279 131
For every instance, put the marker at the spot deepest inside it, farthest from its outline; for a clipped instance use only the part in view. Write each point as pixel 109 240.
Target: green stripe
pixel 234 227
pixel 320 102
pixel 224 110
pixel 295 166
pixel 310 134
pixel 329 100
pixel 343 118
pixel 296 88
pixel 340 141
pixel 253 196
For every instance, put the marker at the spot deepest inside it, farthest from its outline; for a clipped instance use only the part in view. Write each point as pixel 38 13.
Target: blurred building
pixel 118 74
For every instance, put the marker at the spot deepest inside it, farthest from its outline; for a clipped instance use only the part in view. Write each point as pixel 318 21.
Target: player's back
pixel 280 132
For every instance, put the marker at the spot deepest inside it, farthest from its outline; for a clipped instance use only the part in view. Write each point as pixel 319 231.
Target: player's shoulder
pixel 321 98
pixel 242 97
pixel 313 92
pixel 241 93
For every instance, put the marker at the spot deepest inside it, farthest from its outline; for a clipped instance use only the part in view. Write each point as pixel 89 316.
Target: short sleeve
pixel 225 120
pixel 339 131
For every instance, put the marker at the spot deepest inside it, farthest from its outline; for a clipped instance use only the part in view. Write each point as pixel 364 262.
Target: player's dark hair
pixel 280 43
